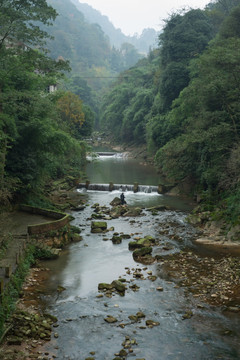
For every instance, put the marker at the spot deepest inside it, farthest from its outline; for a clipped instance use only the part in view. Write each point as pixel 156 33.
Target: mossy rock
pixel 150 238
pixel 144 242
pixel 118 211
pixel 97 216
pixel 75 229
pixel 133 212
pixel 119 286
pixel 98 226
pixel 105 286
pixel 142 252
pixel 133 245
pixel 126 236
pixel 116 239
pixel 97 231
pixel 115 202
pixel 76 238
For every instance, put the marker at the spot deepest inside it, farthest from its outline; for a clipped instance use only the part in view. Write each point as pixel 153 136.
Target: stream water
pixel 83 333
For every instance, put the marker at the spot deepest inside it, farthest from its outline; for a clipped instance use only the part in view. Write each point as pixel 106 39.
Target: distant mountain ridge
pixel 148 39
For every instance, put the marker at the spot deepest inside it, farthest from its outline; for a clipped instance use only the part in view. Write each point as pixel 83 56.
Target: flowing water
pixel 83 333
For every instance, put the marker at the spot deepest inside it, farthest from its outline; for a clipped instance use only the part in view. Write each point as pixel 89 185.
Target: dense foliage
pixel 35 143
pixel 125 109
pixel 183 103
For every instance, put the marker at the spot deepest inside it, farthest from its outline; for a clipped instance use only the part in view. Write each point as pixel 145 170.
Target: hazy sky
pixel 132 16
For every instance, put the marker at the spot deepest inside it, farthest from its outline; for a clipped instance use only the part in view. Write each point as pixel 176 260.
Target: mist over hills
pixel 86 46
pixel 148 39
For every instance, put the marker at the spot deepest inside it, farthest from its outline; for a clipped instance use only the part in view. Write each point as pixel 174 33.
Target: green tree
pixel 70 108
pixel 184 38
pixel 126 107
pixel 19 21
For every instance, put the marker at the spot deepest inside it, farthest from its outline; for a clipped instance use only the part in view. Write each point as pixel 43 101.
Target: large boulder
pixel 118 211
pixel 115 202
pixel 133 245
pixel 132 212
pixel 98 226
pixel 147 241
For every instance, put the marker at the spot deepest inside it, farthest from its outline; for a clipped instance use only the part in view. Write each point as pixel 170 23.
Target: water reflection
pixel 121 170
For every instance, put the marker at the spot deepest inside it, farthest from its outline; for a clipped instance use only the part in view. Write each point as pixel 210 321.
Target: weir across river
pixel 132 187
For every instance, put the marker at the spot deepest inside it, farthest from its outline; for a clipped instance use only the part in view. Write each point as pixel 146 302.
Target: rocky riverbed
pixel 210 278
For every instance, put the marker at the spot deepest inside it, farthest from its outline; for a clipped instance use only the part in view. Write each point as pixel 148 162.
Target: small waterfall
pixel 148 189
pixel 109 154
pixel 98 187
pixel 123 188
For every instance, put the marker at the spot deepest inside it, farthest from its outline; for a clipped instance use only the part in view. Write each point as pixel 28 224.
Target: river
pixel 82 332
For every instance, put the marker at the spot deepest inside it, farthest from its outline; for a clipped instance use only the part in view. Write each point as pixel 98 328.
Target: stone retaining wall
pixel 57 239
pixel 60 220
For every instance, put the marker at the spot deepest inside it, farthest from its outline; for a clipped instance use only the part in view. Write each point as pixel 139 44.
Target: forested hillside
pixel 40 132
pixel 142 42
pixel 183 103
pixel 94 62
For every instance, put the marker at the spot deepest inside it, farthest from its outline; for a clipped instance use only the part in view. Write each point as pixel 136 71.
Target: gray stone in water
pixel 152 323
pixel 110 319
